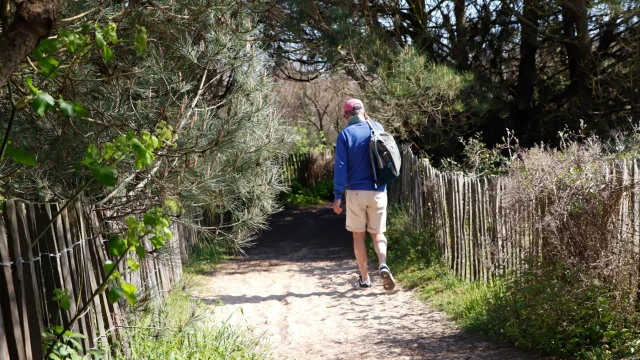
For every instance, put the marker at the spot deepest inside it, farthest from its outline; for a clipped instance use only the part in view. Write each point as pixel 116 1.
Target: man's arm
pixel 339 172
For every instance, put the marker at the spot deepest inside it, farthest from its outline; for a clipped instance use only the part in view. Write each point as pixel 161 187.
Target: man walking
pixel 366 201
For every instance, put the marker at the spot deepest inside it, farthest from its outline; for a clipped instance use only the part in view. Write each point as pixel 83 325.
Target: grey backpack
pixel 385 156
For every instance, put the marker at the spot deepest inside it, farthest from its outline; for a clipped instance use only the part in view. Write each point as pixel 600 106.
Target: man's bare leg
pixel 360 249
pixel 380 246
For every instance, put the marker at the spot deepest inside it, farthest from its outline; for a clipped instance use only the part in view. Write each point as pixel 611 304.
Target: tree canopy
pixel 540 66
pixel 182 85
pixel 191 80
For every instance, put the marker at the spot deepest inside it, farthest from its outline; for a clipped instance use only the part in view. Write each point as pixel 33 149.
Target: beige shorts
pixel 367 211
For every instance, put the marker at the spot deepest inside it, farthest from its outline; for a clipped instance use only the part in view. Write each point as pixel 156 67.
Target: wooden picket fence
pixel 70 257
pixel 481 233
pixel 461 212
pixel 308 168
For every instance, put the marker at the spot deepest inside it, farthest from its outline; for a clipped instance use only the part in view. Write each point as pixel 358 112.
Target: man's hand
pixel 336 207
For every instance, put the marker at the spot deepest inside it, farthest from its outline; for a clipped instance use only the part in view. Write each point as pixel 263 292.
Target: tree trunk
pixel 417 18
pixel 527 69
pixel 576 30
pixel 33 21
pixel 460 53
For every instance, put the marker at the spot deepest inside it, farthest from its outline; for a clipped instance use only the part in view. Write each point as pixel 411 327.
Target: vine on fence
pixel 60 341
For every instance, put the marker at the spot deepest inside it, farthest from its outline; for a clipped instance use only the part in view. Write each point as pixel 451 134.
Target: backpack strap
pixel 370 123
pixel 370 126
pixel 371 152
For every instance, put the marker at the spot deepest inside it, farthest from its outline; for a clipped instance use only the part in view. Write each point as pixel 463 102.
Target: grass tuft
pixel 204 256
pixel 185 328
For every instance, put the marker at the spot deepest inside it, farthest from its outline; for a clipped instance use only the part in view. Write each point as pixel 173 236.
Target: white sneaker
pixel 362 285
pixel 388 283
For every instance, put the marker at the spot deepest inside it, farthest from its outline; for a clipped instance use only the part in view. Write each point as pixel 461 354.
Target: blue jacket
pixel 352 168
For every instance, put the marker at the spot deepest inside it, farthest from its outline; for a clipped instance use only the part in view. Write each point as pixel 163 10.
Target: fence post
pixel 19 228
pixel 10 307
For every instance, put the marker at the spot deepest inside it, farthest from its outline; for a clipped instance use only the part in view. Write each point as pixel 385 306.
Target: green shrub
pixel 324 189
pixel 184 328
pixel 407 246
pixel 301 196
pixel 552 311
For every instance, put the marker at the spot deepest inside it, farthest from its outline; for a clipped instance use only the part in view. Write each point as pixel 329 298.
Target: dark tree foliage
pixel 548 65
pixel 200 73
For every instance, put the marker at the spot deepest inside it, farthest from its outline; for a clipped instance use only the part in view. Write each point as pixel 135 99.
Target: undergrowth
pixel 301 196
pixel 547 311
pixel 184 328
pixel 203 256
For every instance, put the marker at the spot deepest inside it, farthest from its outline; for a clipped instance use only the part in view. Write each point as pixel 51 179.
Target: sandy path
pixel 295 289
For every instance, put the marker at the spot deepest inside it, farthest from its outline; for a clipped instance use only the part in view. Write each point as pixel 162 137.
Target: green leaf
pixel 49 45
pixel 133 265
pixel 108 150
pixel 141 251
pixel 59 294
pixel 113 296
pixel 66 108
pixel 107 53
pixel 19 156
pixel 72 40
pixel 129 291
pixel 85 28
pixel 117 246
pixel 80 110
pixel 137 147
pixel 131 222
pixel 110 33
pixel 42 101
pixel 144 160
pixel 57 329
pixel 150 218
pixel 64 350
pixel 100 39
pixel 108 266
pixel 141 41
pixel 155 143
pixel 48 66
pixel 65 303
pixel 30 83
pixel 75 335
pixel 158 241
pixel 92 156
pixel 76 344
pixel 130 135
pixel 105 175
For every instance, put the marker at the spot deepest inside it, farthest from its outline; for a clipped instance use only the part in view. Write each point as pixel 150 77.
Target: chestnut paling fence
pixel 308 168
pixel 463 214
pixel 70 256
pixel 481 233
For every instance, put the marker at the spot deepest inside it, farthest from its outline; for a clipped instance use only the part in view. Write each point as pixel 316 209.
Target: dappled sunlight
pixel 295 288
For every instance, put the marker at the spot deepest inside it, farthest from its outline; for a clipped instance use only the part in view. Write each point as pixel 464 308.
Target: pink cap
pixel 353 104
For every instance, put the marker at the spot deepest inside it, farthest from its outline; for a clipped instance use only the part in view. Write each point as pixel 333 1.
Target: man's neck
pixel 356 119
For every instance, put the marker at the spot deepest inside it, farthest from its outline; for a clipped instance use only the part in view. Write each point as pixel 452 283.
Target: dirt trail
pixel 295 289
